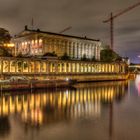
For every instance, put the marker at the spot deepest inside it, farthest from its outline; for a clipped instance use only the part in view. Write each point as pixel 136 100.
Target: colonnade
pixel 31 66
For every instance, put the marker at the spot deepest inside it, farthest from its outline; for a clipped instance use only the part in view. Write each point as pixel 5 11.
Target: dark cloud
pixel 85 17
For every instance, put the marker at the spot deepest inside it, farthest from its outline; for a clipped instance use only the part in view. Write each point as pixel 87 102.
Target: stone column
pixel 71 67
pixel 73 51
pixel 47 67
pixel 34 66
pixel 67 67
pixel 56 67
pixel 28 65
pixel 88 68
pixel 22 67
pixel 102 68
pixel 120 68
pixel 2 66
pixel 83 51
pixel 81 66
pixel 77 44
pixel 61 67
pixel 69 49
pixel 39 62
pixel 15 66
pixel 77 67
pixel 81 47
pixel 106 70
pixel 64 67
pixel 8 66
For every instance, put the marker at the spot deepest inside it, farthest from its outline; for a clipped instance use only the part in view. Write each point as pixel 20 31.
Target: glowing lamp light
pixel 67 79
pixel 9 45
pixel 40 40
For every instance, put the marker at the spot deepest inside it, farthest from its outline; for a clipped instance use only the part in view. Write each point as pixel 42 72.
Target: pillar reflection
pixel 47 107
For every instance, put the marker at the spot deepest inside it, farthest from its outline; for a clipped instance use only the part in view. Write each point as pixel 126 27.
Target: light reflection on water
pixel 137 83
pixel 49 111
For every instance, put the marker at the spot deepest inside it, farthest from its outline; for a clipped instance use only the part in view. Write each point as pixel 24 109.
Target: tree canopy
pixel 4 39
pixel 4 36
pixel 4 52
pixel 65 57
pixel 52 54
pixel 109 55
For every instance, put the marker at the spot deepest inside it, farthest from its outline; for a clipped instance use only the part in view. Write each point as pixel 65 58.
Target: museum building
pixel 37 43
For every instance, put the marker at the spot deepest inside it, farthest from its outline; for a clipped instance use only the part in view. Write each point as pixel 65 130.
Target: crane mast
pixel 111 20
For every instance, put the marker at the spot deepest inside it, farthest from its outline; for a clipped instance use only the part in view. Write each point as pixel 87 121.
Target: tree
pixel 109 55
pixel 93 58
pixel 65 57
pixel 20 55
pixel 4 39
pixel 84 58
pixel 4 36
pixel 50 54
pixel 4 52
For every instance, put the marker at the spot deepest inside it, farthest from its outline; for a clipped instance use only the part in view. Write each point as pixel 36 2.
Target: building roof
pixel 51 33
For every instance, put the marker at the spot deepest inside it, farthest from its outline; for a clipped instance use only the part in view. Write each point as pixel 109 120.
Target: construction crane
pixel 111 20
pixel 68 28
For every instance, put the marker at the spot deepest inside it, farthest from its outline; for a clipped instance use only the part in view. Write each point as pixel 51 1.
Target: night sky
pixel 85 17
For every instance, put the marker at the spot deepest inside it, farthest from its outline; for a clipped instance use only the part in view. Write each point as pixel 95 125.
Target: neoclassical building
pixel 37 42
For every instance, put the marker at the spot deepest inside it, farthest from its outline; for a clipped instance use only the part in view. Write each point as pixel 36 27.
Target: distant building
pixel 36 42
pixel 126 60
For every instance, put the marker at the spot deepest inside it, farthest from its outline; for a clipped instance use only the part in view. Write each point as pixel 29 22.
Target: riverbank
pixel 68 81
pixel 36 84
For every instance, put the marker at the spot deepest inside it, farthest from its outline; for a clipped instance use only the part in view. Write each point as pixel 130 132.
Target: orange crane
pixel 111 20
pixel 68 28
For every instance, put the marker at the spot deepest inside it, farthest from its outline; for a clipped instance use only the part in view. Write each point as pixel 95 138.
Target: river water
pixel 88 111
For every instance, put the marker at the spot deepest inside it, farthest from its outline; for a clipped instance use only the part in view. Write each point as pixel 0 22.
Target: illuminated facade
pixel 36 42
pixel 62 69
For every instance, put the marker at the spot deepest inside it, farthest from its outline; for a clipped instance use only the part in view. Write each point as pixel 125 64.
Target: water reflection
pixel 4 126
pixel 137 83
pixel 43 108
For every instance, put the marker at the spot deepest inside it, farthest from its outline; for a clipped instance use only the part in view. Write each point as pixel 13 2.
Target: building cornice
pixel 29 31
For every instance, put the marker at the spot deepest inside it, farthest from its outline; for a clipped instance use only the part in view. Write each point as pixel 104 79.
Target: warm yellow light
pixel 36 41
pixel 40 40
pixel 9 45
